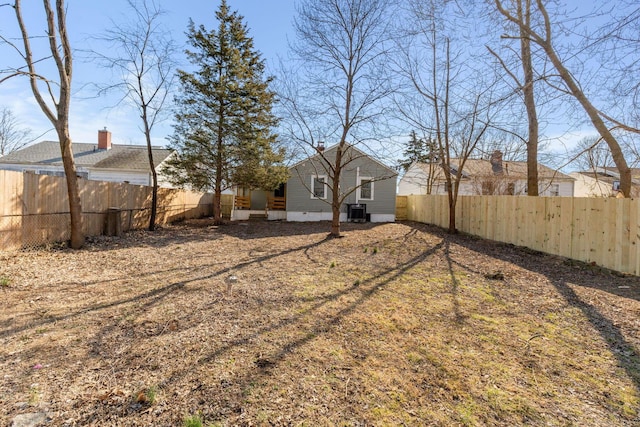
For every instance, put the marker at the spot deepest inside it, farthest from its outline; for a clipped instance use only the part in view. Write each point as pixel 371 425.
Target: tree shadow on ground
pixel 314 321
pixel 149 298
pixel 563 274
pixel 261 229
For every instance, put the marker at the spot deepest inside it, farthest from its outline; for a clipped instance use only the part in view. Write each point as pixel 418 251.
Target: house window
pixel 447 187
pixel 318 186
pixel 616 185
pixel 554 190
pixel 488 188
pixel 365 191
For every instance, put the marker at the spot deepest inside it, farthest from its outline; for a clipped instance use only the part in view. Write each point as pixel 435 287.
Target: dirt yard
pixel 274 324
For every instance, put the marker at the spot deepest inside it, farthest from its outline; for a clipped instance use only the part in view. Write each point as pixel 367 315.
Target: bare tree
pixel 341 46
pixel 510 142
pixel 526 86
pixel 57 108
pixel 444 97
pixel 12 136
pixel 142 53
pixel 613 41
pixel 592 153
pixel 543 37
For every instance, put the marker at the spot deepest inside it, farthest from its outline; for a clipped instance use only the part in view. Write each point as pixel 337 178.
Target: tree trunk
pixel 529 102
pixel 154 200
pixel 217 192
pixel 73 191
pixel 453 200
pixel 217 209
pixel 335 220
pixel 217 206
pixel 335 192
pixel 152 167
pixel 452 214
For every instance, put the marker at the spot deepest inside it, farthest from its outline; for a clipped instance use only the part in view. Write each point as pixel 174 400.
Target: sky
pixel 269 23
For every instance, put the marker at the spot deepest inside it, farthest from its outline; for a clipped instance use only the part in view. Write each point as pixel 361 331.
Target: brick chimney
pixel 496 162
pixel 104 139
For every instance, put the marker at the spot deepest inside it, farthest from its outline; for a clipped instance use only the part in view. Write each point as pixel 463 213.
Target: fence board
pixel 634 236
pixel 622 235
pixel 401 208
pixel 539 230
pixel 566 228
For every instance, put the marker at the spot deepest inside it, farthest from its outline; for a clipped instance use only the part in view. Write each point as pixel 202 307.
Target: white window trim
pixel 312 187
pixel 365 178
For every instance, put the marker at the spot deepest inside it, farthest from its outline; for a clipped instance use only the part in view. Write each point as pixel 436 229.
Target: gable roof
pixel 483 168
pixel 610 175
pixel 358 153
pixel 611 171
pixel 118 157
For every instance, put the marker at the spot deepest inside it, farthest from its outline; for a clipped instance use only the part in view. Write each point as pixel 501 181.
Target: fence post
pixel 113 226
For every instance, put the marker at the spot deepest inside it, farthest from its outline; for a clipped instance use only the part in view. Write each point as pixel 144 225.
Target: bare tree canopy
pixel 141 55
pixel 449 91
pixel 540 30
pixel 53 96
pixel 342 82
pixel 12 136
pixel 526 86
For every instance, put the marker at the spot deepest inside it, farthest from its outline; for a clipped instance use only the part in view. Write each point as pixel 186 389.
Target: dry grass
pixel 393 324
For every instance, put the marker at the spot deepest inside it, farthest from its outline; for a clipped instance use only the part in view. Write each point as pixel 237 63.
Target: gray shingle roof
pixel 512 169
pixel 119 157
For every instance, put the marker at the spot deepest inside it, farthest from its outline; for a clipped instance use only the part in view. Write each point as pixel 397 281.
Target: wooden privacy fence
pixel 604 231
pixel 34 209
pixel 401 208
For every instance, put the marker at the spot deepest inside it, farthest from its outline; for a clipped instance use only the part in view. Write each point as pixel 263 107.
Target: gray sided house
pixel 100 161
pixel 369 186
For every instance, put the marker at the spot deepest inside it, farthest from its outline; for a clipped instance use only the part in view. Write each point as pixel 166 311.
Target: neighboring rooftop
pixel 610 175
pixel 102 155
pixel 497 166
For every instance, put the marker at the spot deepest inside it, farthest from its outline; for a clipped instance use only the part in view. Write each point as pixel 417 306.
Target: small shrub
pixel 4 282
pixel 333 264
pixel 375 250
pixel 34 395
pixel 152 395
pixel 192 421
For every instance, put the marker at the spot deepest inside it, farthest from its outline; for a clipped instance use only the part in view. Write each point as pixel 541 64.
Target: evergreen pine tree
pixel 223 124
pixel 418 150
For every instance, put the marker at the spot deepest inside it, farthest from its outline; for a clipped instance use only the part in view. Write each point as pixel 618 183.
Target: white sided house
pixel 603 182
pixel 368 187
pixel 484 177
pixel 101 161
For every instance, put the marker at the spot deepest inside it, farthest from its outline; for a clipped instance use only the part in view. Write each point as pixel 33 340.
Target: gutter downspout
pixel 357 180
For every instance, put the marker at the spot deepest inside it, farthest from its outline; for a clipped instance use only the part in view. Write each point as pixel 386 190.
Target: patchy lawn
pixel 273 324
